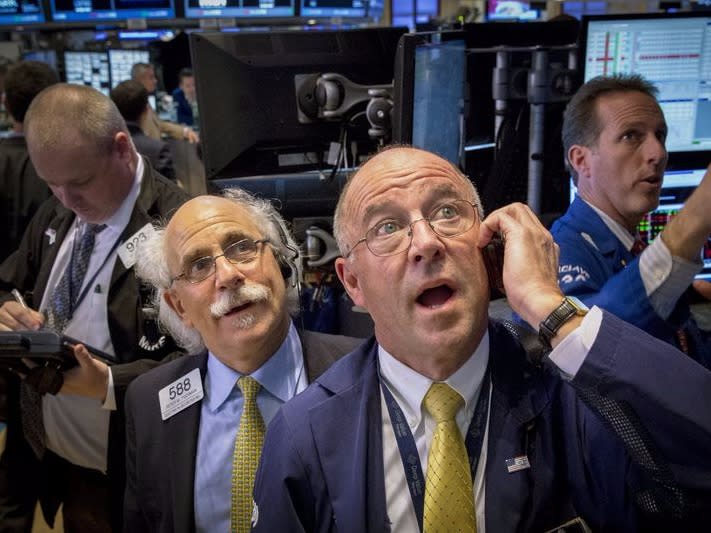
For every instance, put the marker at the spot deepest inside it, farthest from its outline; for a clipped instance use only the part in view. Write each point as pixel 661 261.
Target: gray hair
pixel 581 125
pixel 339 223
pixel 64 108
pixel 152 265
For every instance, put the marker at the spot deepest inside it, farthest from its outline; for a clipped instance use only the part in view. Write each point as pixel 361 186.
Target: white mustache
pixel 226 301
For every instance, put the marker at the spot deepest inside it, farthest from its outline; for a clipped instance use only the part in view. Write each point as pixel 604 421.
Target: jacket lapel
pixel 350 446
pixel 52 240
pixel 518 396
pixel 182 430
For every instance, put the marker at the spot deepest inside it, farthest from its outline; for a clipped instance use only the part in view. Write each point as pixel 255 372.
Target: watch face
pixel 580 307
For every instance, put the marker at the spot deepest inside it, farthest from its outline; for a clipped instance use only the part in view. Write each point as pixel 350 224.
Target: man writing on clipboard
pixel 75 265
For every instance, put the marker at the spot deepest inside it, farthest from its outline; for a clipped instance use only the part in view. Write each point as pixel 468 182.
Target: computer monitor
pixel 430 75
pixel 672 51
pixel 21 12
pixel 578 9
pixel 511 10
pixel 110 10
pixel 88 68
pixel 678 185
pixel 244 9
pixel 44 56
pixel 338 8
pixel 254 93
pixel 121 61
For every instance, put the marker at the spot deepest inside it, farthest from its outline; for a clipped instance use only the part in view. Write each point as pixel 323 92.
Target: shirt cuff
pixel 570 354
pixel 110 402
pixel 665 277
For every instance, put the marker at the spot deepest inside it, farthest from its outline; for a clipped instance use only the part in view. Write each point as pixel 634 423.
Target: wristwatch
pixel 569 307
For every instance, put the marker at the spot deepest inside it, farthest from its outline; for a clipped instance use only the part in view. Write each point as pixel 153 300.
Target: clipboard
pixel 43 347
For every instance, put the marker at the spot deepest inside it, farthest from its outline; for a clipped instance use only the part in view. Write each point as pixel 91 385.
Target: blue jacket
pixel 182 106
pixel 607 275
pixel 322 463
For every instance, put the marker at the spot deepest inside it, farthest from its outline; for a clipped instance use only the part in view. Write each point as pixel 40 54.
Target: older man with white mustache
pixel 222 269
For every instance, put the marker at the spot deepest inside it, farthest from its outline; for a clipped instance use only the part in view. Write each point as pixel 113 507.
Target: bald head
pixel 391 161
pixel 73 114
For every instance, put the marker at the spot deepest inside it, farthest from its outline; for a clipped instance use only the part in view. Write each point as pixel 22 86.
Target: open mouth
pixel 239 308
pixel 435 297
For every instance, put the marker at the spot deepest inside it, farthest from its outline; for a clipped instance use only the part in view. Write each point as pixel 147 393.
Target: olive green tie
pixel 248 447
pixel 449 496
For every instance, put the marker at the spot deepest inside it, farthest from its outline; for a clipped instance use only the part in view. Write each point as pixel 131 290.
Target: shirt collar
pixel 409 387
pixel 279 375
pixel 625 237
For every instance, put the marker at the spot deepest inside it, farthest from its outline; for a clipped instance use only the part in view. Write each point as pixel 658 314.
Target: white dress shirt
pixel 77 427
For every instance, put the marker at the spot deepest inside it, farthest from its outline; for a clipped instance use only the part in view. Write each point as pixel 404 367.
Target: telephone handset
pixel 493 254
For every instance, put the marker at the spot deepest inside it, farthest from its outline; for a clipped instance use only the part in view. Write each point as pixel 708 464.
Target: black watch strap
pixel 568 308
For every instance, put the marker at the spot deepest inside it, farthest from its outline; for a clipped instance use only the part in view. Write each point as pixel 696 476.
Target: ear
pixel 172 298
pixel 349 279
pixel 579 159
pixel 123 144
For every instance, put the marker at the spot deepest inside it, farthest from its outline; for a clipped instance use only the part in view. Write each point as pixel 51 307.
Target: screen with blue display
pixel 339 8
pixel 19 12
pixel 239 8
pixel 511 10
pixel 107 10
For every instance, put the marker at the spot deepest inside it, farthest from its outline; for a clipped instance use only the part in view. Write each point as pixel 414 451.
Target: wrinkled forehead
pixel 397 175
pixel 205 222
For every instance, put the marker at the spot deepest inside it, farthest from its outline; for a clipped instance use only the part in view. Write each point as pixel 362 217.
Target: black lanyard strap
pixel 408 449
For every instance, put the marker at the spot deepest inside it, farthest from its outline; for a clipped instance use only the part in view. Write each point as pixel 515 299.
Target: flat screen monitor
pixel 578 9
pixel 430 72
pixel 258 9
pixel 253 93
pixel 21 12
pixel 44 56
pixel 673 51
pixel 121 61
pixel 510 10
pixel 339 8
pixel 88 68
pixel 678 186
pixel 108 10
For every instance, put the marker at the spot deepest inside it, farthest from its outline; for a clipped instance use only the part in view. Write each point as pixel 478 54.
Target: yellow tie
pixel 248 447
pixel 449 496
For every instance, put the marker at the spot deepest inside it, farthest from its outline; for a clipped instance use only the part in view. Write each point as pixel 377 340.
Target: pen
pixel 19 299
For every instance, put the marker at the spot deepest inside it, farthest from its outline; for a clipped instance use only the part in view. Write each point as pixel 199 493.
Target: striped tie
pixel 449 494
pixel 248 447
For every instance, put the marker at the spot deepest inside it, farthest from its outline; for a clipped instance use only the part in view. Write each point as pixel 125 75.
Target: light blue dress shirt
pixel 281 377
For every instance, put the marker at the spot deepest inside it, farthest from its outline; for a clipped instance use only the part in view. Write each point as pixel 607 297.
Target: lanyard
pixel 88 285
pixel 408 449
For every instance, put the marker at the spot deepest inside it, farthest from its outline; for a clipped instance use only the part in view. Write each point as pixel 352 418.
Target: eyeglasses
pixel 392 236
pixel 242 251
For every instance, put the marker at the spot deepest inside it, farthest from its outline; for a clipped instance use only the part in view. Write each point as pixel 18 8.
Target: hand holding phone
pixel 493 254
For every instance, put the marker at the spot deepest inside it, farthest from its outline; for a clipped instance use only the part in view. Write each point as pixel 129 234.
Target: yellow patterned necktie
pixel 449 496
pixel 248 447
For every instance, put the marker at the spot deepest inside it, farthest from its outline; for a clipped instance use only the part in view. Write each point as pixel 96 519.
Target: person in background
pixel 185 99
pixel 131 99
pixel 21 190
pixel 443 422
pixel 223 269
pixel 152 126
pixel 75 268
pixel 614 135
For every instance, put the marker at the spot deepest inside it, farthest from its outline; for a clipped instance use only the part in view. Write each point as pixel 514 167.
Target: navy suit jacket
pixel 606 274
pixel 322 464
pixel 160 455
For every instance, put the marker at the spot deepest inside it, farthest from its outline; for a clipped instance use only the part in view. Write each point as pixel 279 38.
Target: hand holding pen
pixel 17 315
